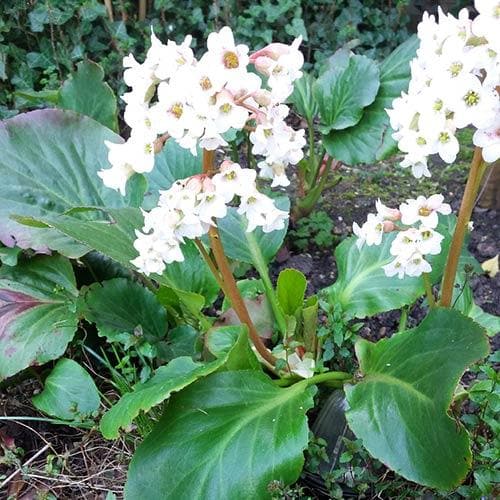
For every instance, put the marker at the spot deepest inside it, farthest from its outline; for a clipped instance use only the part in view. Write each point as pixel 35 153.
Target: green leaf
pixel 115 238
pixel 247 430
pixel 87 93
pixel 41 97
pixel 344 90
pixel 172 163
pixel 371 138
pixel 69 393
pixel 51 158
pixel 362 288
pixel 240 245
pixel 182 340
pixel 9 256
pixel 124 311
pixel 291 288
pixel 463 301
pixel 37 312
pixel 302 97
pixel 179 373
pixel 400 407
pixel 232 341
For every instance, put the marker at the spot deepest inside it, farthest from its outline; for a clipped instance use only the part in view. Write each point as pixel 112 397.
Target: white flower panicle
pixel 454 84
pixel 191 206
pixel 196 101
pixel 411 244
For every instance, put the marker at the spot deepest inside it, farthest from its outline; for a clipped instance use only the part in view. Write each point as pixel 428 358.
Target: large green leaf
pixel 344 90
pixel 124 311
pixel 303 99
pixel 37 312
pixel 371 138
pixel 226 436
pixel 400 406
pixel 172 163
pixel 179 373
pixel 115 236
pixel 69 393
pixel 49 161
pixel 240 245
pixel 87 93
pixel 362 288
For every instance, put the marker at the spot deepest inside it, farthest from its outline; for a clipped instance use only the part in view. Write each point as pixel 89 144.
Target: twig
pixel 34 457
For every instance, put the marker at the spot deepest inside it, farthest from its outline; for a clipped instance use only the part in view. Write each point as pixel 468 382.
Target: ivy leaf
pixel 179 373
pixel 344 90
pixel 400 407
pixel 248 431
pixel 69 393
pixel 51 158
pixel 371 138
pixel 37 312
pixel 124 311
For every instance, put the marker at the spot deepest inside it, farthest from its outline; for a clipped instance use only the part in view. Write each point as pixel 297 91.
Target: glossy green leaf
pixel 400 406
pixel 240 245
pixel 69 393
pixel 172 163
pixel 179 373
pixel 86 92
pixel 226 436
pixel 115 236
pixel 124 311
pixel 232 341
pixel 51 158
pixel 291 288
pixel 303 99
pixel 362 288
pixel 37 312
pixel 463 301
pixel 371 138
pixel 182 340
pixel 344 90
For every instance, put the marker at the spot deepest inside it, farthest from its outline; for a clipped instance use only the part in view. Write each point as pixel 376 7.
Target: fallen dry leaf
pixel 490 266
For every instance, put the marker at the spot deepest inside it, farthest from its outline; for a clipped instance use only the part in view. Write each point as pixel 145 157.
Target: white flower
pixel 417 265
pixel 116 177
pixel 453 84
pixel 387 213
pixel 424 210
pixel 429 242
pixel 302 367
pixel 489 140
pixel 397 266
pixel 227 114
pixel 406 243
pixel 233 180
pixel 370 232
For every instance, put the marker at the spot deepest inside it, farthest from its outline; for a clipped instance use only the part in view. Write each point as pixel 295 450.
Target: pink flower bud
pixel 389 226
pixel 272 51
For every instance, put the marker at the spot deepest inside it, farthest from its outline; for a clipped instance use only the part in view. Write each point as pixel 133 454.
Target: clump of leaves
pixel 317 227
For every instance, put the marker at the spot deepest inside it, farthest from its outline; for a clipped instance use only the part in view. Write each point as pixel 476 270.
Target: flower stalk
pixel 471 188
pixel 225 278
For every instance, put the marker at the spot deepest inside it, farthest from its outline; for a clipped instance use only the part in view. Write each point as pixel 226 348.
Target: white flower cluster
pixel 196 101
pixel 411 244
pixel 454 84
pixel 190 207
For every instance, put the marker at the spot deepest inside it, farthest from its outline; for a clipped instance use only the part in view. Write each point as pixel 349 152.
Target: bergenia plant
pixel 227 380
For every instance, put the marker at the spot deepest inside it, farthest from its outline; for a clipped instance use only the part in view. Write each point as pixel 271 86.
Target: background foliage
pixel 41 41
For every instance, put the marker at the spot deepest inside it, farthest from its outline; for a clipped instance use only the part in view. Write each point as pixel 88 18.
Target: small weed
pixel 317 228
